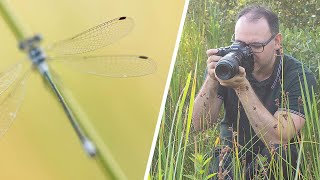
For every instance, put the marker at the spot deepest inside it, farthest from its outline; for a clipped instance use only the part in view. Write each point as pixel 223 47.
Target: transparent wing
pixel 112 66
pixel 12 100
pixel 8 77
pixel 94 38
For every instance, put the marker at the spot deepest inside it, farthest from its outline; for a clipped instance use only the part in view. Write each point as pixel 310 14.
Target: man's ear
pixel 278 41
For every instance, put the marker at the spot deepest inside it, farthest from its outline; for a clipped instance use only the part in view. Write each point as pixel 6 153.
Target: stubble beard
pixel 263 66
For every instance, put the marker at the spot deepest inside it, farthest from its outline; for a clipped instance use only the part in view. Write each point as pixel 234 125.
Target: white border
pixel 173 60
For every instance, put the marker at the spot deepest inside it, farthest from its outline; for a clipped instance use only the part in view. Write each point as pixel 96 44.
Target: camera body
pixel 238 54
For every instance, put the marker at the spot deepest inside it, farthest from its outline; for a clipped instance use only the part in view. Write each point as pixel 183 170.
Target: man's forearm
pixel 270 129
pixel 206 105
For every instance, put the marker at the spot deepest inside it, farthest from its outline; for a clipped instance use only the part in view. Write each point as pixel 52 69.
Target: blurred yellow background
pixel 41 145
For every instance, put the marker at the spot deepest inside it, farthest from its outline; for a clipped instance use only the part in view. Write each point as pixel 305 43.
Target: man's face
pixel 258 32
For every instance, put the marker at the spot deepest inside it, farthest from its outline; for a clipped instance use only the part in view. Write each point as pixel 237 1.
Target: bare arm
pixel 207 105
pixel 270 128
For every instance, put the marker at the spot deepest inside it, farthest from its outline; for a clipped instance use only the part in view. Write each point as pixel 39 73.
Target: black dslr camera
pixel 238 54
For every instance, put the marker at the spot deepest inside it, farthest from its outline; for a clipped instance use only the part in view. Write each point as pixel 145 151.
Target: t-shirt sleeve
pixel 296 92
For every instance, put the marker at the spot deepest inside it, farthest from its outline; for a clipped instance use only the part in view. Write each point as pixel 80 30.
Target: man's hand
pixel 212 62
pixel 238 81
pixel 235 82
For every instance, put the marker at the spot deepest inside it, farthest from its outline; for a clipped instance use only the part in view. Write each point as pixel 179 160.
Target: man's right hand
pixel 212 62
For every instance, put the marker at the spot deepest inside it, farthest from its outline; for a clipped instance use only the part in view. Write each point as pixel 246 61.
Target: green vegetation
pixel 184 154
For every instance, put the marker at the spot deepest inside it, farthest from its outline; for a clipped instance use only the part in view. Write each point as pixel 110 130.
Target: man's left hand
pixel 238 81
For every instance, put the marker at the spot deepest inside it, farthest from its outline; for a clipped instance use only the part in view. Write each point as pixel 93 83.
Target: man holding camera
pixel 262 97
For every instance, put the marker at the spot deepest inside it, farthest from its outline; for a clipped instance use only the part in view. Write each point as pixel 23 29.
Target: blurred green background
pixel 41 144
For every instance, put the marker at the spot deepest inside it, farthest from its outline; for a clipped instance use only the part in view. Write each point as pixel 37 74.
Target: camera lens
pixel 228 66
pixel 224 71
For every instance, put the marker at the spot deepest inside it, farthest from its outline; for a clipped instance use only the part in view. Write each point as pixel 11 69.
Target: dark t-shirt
pixel 269 93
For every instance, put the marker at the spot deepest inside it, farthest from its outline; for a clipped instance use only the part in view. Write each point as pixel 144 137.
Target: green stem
pixel 104 157
pixel 19 31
